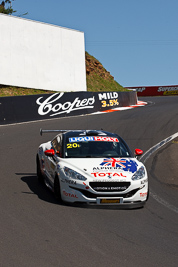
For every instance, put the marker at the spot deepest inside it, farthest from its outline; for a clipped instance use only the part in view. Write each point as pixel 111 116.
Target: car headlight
pixel 73 174
pixel 139 174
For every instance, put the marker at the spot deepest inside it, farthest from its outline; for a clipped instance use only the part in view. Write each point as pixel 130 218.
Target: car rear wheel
pixel 148 194
pixel 38 169
pixel 57 189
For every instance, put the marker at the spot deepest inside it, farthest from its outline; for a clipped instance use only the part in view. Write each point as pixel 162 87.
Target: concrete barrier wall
pixel 41 56
pixel 48 106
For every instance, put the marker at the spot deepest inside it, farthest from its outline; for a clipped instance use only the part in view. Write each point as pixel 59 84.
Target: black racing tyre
pixel 148 194
pixel 38 169
pixel 57 189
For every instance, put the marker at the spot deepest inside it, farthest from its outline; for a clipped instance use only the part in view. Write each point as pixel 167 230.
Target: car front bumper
pixel 135 195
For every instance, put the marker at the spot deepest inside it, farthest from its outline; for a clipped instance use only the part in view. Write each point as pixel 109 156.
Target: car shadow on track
pixel 45 194
pixel 36 188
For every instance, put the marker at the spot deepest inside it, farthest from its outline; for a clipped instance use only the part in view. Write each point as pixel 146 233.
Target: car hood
pixel 103 167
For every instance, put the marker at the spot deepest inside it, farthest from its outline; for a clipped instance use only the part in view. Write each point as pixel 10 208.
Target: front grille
pixel 88 194
pixel 109 186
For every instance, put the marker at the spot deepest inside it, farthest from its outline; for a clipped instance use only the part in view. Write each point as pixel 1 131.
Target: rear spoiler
pixel 87 132
pixel 52 131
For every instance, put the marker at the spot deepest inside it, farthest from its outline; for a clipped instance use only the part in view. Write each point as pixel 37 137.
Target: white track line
pixel 144 158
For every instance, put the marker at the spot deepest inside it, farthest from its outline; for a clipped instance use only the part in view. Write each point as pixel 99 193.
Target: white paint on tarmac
pixel 146 156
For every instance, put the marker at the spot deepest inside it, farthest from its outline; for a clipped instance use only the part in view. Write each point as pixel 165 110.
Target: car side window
pixel 57 145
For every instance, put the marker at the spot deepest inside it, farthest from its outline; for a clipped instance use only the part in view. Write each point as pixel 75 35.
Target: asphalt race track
pixel 37 231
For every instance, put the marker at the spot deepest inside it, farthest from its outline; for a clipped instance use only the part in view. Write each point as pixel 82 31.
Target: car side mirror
pixel 138 152
pixel 49 152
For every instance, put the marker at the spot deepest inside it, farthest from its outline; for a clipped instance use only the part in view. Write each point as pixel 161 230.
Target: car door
pixel 49 163
pixel 52 161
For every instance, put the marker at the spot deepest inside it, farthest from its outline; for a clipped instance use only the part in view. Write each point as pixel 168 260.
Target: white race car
pixel 92 167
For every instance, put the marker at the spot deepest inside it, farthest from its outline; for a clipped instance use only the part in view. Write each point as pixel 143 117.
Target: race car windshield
pixel 95 147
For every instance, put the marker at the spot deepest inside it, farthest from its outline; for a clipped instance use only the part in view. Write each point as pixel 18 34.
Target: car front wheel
pixel 38 169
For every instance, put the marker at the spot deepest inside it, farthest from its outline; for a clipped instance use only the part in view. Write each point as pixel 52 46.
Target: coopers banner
pixel 47 106
pixel 156 90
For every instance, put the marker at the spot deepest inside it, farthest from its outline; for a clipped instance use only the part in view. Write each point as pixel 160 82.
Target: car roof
pixel 88 133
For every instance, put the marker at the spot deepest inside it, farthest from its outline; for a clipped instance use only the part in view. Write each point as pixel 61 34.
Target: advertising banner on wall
pixel 48 106
pixel 156 90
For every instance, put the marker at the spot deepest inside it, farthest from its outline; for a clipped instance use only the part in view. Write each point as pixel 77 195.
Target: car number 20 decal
pixel 72 145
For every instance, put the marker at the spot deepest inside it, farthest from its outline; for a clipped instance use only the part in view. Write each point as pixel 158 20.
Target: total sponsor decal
pixel 124 164
pixel 69 194
pixel 93 138
pixel 109 174
pixel 143 194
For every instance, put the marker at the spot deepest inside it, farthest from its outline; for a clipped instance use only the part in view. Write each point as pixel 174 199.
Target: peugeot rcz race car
pixel 93 167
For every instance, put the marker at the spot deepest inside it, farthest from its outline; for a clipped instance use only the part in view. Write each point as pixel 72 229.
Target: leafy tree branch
pixel 9 10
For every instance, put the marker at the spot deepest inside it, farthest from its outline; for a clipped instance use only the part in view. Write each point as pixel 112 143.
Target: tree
pixel 9 10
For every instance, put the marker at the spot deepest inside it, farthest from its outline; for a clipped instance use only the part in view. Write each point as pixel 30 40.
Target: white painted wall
pixel 41 56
